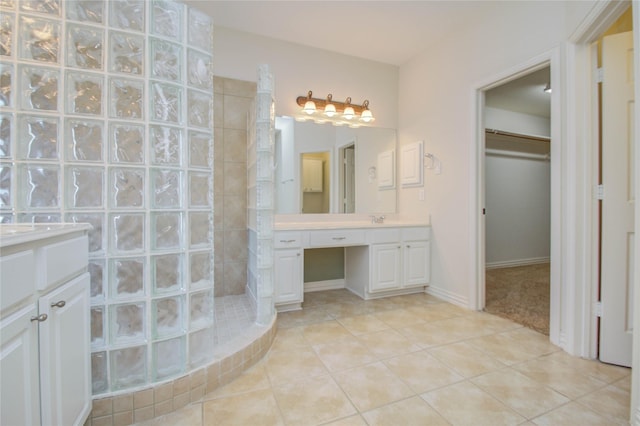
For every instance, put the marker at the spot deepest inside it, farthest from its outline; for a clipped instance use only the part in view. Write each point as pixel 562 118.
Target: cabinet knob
pixel 40 318
pixel 59 304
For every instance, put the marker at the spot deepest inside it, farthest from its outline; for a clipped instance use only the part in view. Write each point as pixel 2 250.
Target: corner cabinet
pixel 45 365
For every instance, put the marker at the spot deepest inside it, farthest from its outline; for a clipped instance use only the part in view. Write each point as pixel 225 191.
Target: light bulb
pixel 330 110
pixel 366 116
pixel 309 107
pixel 348 113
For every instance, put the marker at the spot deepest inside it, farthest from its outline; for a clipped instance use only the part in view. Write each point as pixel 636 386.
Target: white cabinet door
pixel 65 346
pixel 312 174
pixel 19 379
pixel 416 263
pixel 385 267
pixel 288 276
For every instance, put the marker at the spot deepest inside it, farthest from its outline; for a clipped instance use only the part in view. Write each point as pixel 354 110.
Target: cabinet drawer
pixel 388 235
pixel 337 238
pixel 287 240
pixel 17 277
pixel 416 234
pixel 62 260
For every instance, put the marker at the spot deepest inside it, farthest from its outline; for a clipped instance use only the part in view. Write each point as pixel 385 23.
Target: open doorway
pixel 517 197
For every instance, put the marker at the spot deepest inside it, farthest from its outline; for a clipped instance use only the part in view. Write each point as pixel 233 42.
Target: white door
pixel 19 368
pixel 385 259
pixel 416 263
pixel 350 180
pixel 65 345
pixel 618 239
pixel 288 276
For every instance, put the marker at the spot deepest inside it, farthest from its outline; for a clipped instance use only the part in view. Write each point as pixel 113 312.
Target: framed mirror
pixel 350 163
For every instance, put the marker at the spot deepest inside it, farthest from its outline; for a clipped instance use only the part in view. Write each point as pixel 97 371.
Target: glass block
pixel 6 34
pixel 127 278
pixel 97 326
pixel 199 30
pixel 39 88
pixel 200 189
pixel 126 98
pixel 169 358
pixel 127 188
pixel 201 309
pixel 38 137
pixel 128 367
pixel 96 234
pixel 127 322
pixel 199 72
pixel 127 14
pixel 201 267
pixel 199 107
pixel 264 141
pixel 5 186
pixel 166 103
pixel 264 194
pixel 85 47
pixel 6 218
pixel 85 10
pixel 168 316
pixel 39 186
pixel 167 273
pixel 166 189
pixel 166 143
pixel 166 231
pixel 6 130
pixel 166 60
pixel 39 39
pixel 84 93
pixel 200 154
pixel 40 217
pixel 127 232
pixel 9 4
pixel 96 270
pixel 51 7
pixel 127 53
pixel 166 19
pixel 85 187
pixel 99 373
pixel 85 140
pixel 265 79
pixel 200 228
pixel 264 166
pixel 265 223
pixel 200 346
pixel 127 143
pixel 7 81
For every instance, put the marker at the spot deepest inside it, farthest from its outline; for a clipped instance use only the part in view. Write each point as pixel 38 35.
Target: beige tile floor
pixel 411 360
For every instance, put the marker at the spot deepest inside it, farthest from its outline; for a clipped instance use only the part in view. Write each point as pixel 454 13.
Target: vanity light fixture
pixel 329 108
pixel 338 113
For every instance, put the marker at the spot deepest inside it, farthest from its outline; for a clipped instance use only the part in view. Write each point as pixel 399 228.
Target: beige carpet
pixel 520 294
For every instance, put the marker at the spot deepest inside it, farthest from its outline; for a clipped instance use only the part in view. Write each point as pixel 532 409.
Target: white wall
pixel 438 105
pixel 517 200
pixel 297 69
pixel 515 122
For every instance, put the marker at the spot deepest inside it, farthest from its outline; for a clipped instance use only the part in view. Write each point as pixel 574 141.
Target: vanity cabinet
pixel 402 261
pixel 288 257
pixel 45 367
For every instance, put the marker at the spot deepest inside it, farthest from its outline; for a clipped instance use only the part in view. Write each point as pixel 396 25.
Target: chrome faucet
pixel 377 219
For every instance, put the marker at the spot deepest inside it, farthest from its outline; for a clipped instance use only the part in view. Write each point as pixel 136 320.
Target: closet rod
pixel 516 154
pixel 517 135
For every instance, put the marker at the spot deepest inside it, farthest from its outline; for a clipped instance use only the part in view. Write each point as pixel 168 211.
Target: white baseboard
pixel 517 262
pixel 447 296
pixel 324 285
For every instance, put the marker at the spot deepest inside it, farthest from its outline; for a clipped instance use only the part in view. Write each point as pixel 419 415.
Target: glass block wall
pixel 260 202
pixel 106 117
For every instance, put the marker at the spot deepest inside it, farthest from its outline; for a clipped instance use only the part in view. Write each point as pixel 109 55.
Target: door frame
pixel 552 60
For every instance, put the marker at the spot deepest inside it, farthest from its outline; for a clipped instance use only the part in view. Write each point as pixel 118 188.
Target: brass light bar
pixel 340 106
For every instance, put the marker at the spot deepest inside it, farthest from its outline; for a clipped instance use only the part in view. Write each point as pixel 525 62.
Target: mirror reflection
pixel 321 168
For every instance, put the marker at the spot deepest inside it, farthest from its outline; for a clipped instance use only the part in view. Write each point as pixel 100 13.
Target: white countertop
pixel 18 233
pixel 291 226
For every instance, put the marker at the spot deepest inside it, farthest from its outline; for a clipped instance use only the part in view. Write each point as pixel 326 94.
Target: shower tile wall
pixel 233 99
pixel 106 117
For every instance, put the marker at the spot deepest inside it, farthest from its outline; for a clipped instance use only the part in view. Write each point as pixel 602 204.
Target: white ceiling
pixel 390 32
